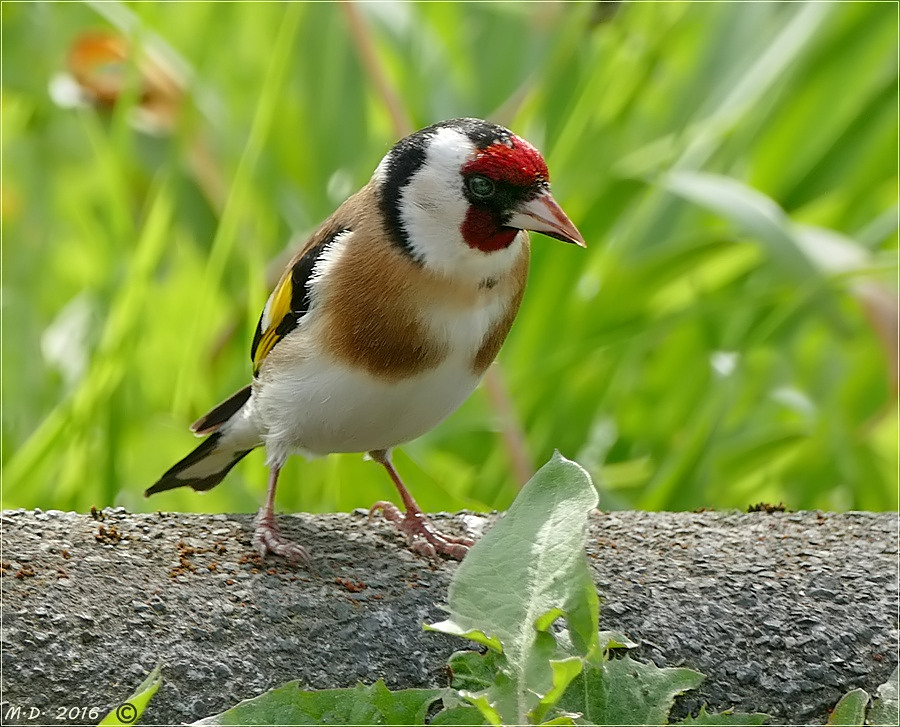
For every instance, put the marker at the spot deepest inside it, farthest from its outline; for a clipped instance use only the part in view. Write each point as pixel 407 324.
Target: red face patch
pixel 480 230
pixel 519 163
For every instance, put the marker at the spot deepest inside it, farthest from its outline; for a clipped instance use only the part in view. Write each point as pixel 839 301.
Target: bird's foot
pixel 423 537
pixel 267 538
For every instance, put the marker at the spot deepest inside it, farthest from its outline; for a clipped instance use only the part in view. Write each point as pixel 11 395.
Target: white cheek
pixel 433 213
pixel 433 202
pixel 433 208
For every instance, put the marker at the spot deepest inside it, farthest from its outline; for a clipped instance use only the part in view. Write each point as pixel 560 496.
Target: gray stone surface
pixel 783 612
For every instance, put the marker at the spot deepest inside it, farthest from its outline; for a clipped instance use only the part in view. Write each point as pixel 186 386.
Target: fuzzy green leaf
pixel 624 691
pixel 461 714
pixel 131 709
pixel 886 710
pixel 457 710
pixel 526 573
pixel 564 671
pixel 473 672
pixel 615 640
pixel 850 711
pixel 361 705
pixel 486 708
pixel 476 635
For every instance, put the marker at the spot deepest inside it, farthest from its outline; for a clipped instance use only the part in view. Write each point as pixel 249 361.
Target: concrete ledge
pixel 784 612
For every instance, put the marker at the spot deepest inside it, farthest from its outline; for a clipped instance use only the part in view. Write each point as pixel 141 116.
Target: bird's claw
pixel 267 538
pixel 423 538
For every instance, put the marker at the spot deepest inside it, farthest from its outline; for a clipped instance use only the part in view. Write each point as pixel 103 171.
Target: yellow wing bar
pixel 277 308
pixel 290 300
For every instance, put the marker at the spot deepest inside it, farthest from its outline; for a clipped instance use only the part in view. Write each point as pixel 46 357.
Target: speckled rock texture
pixel 783 612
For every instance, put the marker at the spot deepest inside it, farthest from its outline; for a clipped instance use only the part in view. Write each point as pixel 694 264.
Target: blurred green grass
pixel 727 337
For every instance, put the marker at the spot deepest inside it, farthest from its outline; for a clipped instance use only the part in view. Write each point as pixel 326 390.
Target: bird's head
pixel 456 196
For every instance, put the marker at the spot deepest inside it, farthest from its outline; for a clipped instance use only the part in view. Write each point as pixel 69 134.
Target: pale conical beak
pixel 542 214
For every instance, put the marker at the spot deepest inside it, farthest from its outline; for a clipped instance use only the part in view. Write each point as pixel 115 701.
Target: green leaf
pixel 615 640
pixel 527 572
pixel 851 710
pixel 747 208
pixel 486 708
pixel 361 705
pixel 564 671
pixel 132 708
pixel 473 672
pixel 461 714
pixel 886 710
pixel 624 691
pixel 457 711
pixel 476 635
pixel 728 717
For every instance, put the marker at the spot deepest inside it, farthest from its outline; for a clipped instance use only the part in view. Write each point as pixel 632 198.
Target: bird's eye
pixel 481 187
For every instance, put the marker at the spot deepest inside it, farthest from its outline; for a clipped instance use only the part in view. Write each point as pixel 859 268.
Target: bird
pixel 386 319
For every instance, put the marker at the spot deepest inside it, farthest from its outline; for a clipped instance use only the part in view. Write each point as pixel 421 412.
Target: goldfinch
pixel 387 318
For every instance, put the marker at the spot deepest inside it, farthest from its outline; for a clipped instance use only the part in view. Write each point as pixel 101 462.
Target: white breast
pixel 323 409
pixel 318 405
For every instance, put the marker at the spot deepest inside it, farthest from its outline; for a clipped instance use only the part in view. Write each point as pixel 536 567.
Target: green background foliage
pixel 707 349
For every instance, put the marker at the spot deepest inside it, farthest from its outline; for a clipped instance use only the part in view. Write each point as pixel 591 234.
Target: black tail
pixel 204 468
pixel 212 420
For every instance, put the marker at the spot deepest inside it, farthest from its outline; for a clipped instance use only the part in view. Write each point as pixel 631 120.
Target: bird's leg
pixel 267 538
pixel 423 537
